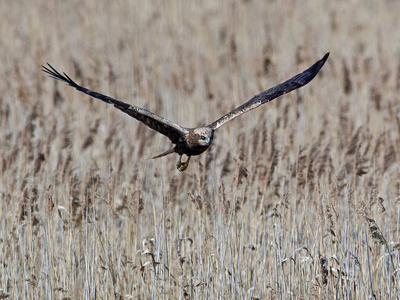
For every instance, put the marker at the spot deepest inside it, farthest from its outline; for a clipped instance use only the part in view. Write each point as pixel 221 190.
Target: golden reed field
pixel 298 199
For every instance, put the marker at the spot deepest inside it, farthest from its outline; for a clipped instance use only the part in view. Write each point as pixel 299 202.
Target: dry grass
pixel 298 199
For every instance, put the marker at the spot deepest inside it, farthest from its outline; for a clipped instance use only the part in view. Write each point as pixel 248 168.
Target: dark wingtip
pixel 318 65
pixel 53 73
pixel 44 68
pixel 325 57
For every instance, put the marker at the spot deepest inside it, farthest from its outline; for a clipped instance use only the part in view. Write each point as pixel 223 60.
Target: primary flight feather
pixel 194 141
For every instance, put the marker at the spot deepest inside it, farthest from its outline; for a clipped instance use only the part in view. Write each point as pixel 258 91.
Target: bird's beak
pixel 205 142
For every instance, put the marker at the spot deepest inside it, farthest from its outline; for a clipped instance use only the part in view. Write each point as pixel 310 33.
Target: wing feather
pixel 173 131
pixel 293 83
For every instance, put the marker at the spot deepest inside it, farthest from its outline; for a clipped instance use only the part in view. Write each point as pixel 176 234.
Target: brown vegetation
pixel 298 199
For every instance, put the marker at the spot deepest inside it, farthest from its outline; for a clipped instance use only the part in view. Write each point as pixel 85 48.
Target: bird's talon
pixel 183 167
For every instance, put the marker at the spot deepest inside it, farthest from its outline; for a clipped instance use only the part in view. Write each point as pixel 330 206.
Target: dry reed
pixel 295 200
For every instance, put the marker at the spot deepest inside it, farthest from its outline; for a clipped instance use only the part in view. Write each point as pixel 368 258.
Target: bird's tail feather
pixel 169 151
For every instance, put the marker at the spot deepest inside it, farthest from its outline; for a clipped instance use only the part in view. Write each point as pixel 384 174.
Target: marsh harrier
pixel 193 141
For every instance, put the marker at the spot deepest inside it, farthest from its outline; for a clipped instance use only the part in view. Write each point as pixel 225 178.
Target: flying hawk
pixel 194 141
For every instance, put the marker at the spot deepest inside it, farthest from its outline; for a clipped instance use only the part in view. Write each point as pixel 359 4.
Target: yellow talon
pixel 182 166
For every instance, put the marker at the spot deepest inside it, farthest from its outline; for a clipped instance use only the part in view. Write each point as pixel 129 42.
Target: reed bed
pixel 298 199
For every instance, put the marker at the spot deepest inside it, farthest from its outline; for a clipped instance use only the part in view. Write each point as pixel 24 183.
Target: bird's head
pixel 203 136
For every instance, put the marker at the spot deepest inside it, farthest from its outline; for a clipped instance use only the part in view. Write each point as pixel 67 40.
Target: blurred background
pixel 286 203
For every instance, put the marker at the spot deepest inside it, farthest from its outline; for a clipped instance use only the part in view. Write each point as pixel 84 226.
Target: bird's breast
pixel 190 149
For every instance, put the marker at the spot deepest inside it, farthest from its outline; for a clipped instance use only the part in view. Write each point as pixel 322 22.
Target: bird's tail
pixel 172 150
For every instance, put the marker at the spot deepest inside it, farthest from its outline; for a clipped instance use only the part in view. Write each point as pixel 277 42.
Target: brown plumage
pixel 194 141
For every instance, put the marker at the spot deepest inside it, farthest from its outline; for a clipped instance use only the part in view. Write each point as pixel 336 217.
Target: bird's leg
pixel 183 166
pixel 179 163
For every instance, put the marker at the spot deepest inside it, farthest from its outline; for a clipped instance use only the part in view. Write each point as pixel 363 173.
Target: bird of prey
pixel 193 141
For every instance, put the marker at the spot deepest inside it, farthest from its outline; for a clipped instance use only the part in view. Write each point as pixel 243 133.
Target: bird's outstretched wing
pixel 173 131
pixel 293 83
